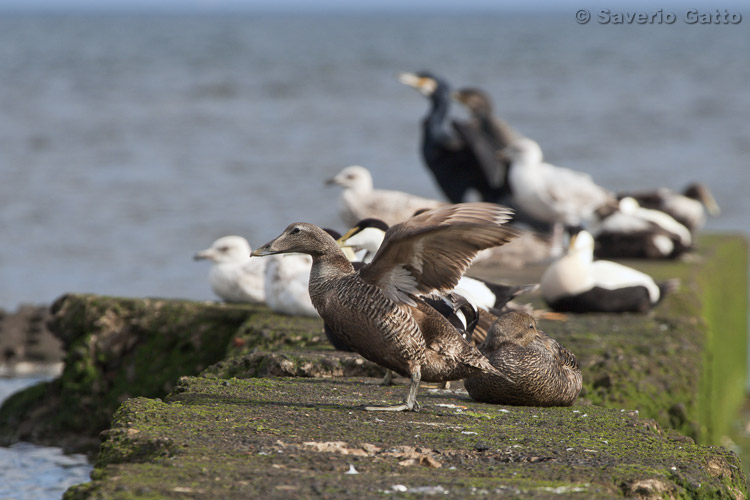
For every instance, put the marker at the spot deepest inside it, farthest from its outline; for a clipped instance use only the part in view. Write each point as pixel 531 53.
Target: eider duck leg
pixel 410 403
pixel 386 380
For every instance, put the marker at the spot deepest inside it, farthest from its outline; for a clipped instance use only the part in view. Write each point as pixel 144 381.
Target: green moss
pixel 278 332
pixel 724 297
pixel 117 348
pixel 246 438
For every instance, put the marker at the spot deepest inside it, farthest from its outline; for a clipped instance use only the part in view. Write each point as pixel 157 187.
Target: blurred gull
pixel 557 195
pixel 286 280
pixel 359 200
pixel 234 276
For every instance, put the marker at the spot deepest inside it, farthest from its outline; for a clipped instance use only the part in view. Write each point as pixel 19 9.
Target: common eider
pixel 234 276
pixel 557 195
pixel 544 373
pixel 456 153
pixel 631 231
pixel 378 310
pixel 688 208
pixel 577 283
pixel 359 200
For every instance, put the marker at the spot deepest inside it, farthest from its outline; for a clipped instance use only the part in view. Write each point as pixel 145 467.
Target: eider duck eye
pixel 294 231
pixel 225 248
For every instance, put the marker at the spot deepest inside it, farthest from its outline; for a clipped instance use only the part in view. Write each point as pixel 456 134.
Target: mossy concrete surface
pixel 116 348
pixel 682 365
pixel 305 437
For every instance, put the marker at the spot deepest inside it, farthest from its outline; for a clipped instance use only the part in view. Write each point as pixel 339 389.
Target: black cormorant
pixel 456 152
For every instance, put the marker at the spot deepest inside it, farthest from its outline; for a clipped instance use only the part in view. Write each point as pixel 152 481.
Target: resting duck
pixel 360 200
pixel 688 208
pixel 544 373
pixel 378 310
pixel 234 276
pixel 632 231
pixel 578 283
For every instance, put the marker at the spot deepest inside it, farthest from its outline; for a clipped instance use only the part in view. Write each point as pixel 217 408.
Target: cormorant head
pixel 476 100
pixel 424 81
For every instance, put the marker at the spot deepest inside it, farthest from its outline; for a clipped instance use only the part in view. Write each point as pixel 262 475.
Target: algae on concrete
pixel 669 365
pixel 116 348
pixel 302 438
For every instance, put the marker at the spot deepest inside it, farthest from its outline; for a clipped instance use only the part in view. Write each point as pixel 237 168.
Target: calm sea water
pixel 129 142
pixel 32 472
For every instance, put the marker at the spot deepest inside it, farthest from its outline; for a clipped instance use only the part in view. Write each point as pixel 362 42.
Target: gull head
pixel 225 250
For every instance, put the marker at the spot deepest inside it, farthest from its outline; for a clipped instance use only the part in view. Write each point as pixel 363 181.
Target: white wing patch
pixel 400 285
pixel 417 256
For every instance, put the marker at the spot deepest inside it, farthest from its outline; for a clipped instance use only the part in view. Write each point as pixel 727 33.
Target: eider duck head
pixel 701 193
pixel 226 249
pixel 582 246
pixel 425 82
pixel 515 327
pixel 477 101
pixel 367 234
pixel 300 237
pixel 629 205
pixel 355 177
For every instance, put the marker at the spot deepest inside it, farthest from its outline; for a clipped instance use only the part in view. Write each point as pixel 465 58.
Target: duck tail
pixel 667 286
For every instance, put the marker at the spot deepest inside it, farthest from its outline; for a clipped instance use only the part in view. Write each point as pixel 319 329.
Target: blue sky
pixel 361 5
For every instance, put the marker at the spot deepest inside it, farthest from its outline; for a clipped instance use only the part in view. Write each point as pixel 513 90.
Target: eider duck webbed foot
pixel 385 381
pixel 410 403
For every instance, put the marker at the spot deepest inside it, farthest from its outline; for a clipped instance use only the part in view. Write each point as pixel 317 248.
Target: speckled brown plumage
pixel 378 310
pixel 544 373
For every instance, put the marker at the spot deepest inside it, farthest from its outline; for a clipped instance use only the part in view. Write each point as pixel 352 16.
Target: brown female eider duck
pixel 378 310
pixel 368 234
pixel 577 283
pixel 544 373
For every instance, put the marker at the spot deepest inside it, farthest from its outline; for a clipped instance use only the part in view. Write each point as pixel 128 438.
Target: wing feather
pixel 431 251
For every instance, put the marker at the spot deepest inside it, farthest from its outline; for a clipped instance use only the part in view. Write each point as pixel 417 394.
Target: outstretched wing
pixel 431 251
